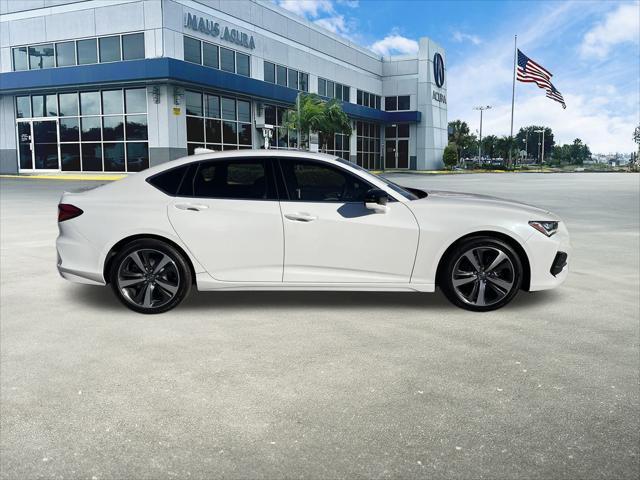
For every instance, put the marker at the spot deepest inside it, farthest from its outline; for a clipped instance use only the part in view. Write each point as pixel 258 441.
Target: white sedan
pixel 284 220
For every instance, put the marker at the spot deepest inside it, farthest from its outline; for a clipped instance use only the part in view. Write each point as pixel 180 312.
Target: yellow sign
pixel 176 110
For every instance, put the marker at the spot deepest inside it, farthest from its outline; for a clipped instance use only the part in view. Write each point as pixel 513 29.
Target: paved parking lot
pixel 327 385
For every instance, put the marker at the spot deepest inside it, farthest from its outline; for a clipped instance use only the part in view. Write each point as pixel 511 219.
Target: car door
pixel 330 237
pixel 228 215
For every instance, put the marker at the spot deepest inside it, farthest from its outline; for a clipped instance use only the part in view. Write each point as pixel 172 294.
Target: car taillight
pixel 67 211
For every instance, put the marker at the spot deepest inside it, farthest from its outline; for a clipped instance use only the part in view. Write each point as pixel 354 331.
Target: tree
pixel 450 156
pixel 636 136
pixel 466 143
pixel 317 115
pixel 579 152
pixel 489 146
pixel 529 138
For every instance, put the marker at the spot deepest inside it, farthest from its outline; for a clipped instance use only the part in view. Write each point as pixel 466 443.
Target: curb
pixel 104 178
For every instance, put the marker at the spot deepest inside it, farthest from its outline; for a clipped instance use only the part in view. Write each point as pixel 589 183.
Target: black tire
pixel 150 291
pixel 477 288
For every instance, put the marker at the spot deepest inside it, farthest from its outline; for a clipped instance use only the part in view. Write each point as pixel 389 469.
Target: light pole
pixel 482 109
pixel 542 147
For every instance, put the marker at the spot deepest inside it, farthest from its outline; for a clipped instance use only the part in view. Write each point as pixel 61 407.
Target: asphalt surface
pixel 328 385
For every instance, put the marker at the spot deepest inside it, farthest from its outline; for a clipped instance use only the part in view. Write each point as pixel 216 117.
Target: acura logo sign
pixel 438 70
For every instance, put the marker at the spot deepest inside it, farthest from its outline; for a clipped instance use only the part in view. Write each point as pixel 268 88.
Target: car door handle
pixel 300 217
pixel 194 207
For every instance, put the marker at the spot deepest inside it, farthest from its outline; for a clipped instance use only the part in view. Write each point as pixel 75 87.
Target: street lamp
pixel 482 109
pixel 542 148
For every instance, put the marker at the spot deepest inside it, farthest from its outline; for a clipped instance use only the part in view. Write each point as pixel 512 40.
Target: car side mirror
pixel 376 200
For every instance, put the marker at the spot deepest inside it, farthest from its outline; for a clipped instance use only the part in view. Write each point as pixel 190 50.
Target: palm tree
pixel 313 114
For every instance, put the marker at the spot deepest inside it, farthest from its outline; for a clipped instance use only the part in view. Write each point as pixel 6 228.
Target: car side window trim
pixel 287 196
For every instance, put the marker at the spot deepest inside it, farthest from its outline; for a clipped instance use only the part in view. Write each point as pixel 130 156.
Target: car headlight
pixel 547 228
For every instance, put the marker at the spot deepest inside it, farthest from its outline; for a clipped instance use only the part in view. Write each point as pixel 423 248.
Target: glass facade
pixel 214 56
pixel 368 145
pixel 338 145
pixel 97 130
pixel 328 88
pixel 283 138
pixel 287 77
pixel 400 102
pixel 217 122
pixel 113 48
pixel 367 99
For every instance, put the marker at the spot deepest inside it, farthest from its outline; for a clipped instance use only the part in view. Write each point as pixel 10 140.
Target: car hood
pixel 459 198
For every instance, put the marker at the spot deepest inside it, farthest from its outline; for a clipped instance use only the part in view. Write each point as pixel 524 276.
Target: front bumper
pixel 549 258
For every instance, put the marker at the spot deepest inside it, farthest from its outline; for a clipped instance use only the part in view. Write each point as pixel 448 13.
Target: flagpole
pixel 513 94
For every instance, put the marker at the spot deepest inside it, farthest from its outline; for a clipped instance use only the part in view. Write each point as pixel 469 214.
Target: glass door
pixel 390 154
pixel 25 146
pixel 403 153
pixel 45 145
pixel 38 145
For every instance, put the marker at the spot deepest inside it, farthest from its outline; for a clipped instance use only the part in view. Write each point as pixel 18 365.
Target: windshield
pixel 392 185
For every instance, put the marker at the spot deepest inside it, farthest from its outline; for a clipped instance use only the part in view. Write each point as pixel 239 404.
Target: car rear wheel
pixel 150 276
pixel 481 274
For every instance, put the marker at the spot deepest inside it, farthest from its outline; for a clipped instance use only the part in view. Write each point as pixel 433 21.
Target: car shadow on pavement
pixel 104 298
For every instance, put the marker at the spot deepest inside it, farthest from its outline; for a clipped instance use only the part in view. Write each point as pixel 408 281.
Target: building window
pixel 65 54
pixel 133 46
pixel 192 51
pixel 217 122
pixel 401 102
pixel 367 99
pixel 338 146
pixel 109 49
pixel 282 138
pixel 112 48
pixel 210 55
pixel 98 130
pixel 287 77
pixel 368 145
pixel 41 56
pixel 328 88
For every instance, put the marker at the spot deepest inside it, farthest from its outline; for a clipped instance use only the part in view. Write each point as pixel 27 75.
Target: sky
pixel 591 48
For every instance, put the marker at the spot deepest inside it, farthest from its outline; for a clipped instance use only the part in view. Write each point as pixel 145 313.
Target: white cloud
pixel 307 8
pixel 460 37
pixel 335 24
pixel 395 44
pixel 349 3
pixel 619 26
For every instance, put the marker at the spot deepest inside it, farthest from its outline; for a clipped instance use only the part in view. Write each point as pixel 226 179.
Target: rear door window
pixel 243 179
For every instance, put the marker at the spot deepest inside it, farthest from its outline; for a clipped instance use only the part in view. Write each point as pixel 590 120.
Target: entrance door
pixel 402 150
pixel 25 145
pixel 390 154
pixel 38 145
pixel 45 145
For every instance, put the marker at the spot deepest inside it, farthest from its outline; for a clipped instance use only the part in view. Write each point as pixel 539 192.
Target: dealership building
pixel 95 86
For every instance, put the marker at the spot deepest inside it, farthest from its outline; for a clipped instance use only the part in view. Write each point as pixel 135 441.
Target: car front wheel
pixel 481 274
pixel 150 276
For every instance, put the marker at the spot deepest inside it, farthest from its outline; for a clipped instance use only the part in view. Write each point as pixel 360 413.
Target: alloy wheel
pixel 148 278
pixel 483 276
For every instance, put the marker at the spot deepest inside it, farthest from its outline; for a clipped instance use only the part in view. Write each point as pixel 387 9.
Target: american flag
pixel 529 71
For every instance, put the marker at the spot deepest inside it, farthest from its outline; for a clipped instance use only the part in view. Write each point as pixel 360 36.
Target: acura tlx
pixel 285 220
